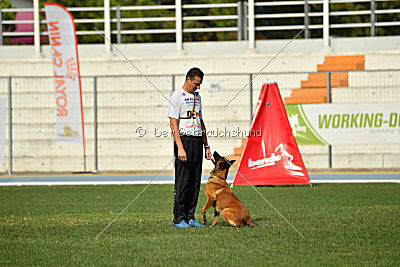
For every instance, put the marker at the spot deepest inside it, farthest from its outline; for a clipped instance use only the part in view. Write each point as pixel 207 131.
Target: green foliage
pixel 7 15
pixel 142 38
pixel 344 225
pixel 345 19
pixel 212 36
pixel 83 15
pixel 222 36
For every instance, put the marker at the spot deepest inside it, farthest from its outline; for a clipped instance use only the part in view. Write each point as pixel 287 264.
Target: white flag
pixel 2 128
pixel 67 80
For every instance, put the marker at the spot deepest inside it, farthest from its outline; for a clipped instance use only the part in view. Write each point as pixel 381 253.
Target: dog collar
pixel 217 177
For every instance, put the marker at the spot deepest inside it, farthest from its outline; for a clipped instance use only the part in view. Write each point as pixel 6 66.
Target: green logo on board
pixel 302 130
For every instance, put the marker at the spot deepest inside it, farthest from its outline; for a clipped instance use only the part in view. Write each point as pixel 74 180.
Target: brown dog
pixel 222 198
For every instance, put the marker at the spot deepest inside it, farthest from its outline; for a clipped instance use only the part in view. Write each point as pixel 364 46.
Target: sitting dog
pixel 222 198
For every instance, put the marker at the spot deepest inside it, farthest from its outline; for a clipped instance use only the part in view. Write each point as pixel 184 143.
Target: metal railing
pixel 247 20
pixel 115 107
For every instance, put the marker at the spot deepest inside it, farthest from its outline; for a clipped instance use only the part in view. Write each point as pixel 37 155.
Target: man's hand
pixel 182 154
pixel 208 153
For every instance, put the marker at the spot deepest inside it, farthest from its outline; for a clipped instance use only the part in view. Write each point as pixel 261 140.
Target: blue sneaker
pixel 182 224
pixel 194 223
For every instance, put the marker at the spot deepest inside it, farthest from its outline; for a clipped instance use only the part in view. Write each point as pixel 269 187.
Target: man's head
pixel 194 78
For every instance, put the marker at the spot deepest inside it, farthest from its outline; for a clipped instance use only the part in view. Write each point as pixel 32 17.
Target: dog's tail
pixel 250 222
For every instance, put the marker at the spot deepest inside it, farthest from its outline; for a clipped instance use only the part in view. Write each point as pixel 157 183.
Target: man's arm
pixel 205 142
pixel 173 123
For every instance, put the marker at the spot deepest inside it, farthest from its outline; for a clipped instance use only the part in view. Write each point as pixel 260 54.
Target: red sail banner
pixel 273 157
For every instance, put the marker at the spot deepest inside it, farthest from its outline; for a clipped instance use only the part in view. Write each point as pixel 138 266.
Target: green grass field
pixel 344 224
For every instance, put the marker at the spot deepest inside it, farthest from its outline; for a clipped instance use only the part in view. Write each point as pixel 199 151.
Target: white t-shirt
pixel 187 108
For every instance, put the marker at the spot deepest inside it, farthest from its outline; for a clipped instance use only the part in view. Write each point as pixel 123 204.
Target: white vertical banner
pixel 67 80
pixel 3 102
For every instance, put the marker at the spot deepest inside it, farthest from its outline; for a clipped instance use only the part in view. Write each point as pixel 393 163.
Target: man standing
pixel 189 132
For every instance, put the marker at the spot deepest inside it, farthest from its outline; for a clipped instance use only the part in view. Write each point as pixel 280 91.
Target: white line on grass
pixel 144 189
pixel 139 182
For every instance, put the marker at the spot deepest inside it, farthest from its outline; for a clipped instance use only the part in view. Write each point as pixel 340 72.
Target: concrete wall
pixel 212 57
pixel 127 103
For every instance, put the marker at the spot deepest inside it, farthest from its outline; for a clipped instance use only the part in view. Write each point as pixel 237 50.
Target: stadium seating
pixel 314 90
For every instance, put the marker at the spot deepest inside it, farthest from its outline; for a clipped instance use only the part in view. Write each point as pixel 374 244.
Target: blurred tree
pixel 143 38
pixel 7 15
pixel 345 19
pixel 224 36
pixel 211 36
pixel 82 15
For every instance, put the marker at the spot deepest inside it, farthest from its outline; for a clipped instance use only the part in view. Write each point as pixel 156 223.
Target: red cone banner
pixel 271 157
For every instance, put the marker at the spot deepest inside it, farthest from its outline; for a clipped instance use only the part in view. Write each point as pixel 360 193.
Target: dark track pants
pixel 187 178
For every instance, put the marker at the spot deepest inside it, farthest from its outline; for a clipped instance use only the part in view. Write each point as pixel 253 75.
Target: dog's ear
pixel 216 157
pixel 232 161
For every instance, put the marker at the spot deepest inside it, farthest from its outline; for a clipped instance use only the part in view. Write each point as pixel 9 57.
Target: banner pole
pixel 329 101
pixel 10 132
pixel 96 168
pixel 84 161
pixel 36 27
pixel 251 97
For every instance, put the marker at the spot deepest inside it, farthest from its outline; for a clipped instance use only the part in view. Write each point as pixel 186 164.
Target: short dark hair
pixel 193 72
